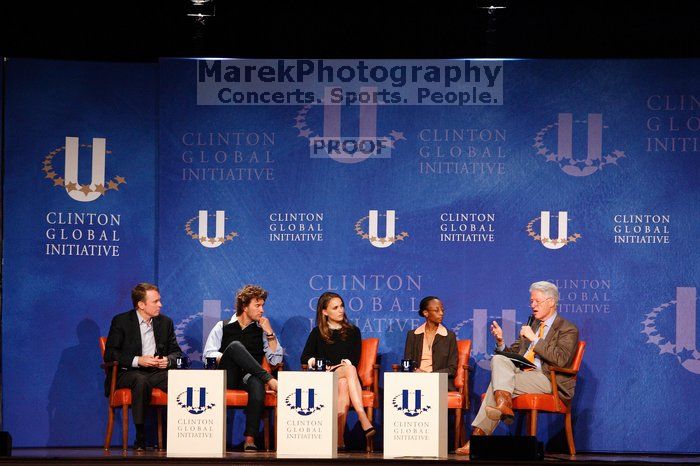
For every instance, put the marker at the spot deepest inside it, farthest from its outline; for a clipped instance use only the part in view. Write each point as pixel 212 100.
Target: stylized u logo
pixel 202 397
pixel 564 154
pixel 686 322
pixel 545 237
pixel 374 238
pixel 219 237
pixel 595 143
pixel 98 169
pixel 685 346
pixel 367 140
pixel 406 400
pixel 298 401
pixel 480 333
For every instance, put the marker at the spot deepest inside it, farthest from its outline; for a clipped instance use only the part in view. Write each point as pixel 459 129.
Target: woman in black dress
pixel 335 339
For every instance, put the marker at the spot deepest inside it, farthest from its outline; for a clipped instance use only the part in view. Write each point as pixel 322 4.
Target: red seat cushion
pixel 159 397
pixel 367 398
pixel 454 400
pixel 538 401
pixel 239 398
pixel 122 396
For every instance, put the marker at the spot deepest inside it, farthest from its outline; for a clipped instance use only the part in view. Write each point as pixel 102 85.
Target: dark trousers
pixel 238 363
pixel 142 382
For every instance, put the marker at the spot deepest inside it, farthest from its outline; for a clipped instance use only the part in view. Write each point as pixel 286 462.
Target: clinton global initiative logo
pixel 659 328
pixel 194 329
pixel 81 192
pixel 545 237
pixel 480 334
pixel 194 401
pixel 642 229
pixel 410 402
pixel 202 235
pixel 303 401
pixel 564 156
pixel 372 222
pixel 345 148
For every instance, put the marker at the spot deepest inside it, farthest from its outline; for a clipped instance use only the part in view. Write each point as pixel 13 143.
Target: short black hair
pixel 424 304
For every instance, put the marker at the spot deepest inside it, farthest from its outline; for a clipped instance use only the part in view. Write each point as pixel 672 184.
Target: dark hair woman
pixel 431 346
pixel 337 340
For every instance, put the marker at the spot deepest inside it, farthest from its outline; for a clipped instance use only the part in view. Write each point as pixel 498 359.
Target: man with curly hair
pixel 239 345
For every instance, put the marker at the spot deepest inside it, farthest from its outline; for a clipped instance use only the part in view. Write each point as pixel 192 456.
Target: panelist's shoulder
pixel 566 324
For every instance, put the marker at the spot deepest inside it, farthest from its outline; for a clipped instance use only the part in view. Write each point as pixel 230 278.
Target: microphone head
pixel 530 320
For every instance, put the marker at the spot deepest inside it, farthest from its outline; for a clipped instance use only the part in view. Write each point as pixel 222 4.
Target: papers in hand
pixel 517 359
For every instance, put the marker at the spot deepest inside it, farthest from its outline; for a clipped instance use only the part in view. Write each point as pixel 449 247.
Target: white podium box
pixel 197 413
pixel 415 414
pixel 307 414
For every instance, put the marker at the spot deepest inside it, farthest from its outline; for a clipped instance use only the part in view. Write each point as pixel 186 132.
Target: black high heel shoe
pixel 370 432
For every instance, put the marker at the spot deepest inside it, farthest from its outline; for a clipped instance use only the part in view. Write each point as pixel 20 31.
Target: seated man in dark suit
pixel 551 340
pixel 143 341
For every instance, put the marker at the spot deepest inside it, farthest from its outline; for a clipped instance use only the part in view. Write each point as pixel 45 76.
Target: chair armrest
pixel 555 388
pixel 395 367
pixel 553 378
pixel 113 381
pixel 465 388
pixel 375 384
pixel 563 370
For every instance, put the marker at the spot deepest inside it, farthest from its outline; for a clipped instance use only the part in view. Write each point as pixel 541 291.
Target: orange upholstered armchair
pixel 121 398
pixel 459 400
pixel 239 399
pixel 368 372
pixel 534 403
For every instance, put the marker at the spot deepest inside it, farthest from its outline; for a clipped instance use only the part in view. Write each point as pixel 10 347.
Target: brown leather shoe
pixel 503 411
pixel 464 450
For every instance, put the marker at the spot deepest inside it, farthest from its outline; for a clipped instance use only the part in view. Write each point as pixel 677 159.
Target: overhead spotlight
pixel 491 6
pixel 201 8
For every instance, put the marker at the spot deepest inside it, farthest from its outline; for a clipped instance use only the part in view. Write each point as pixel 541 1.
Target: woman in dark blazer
pixel 431 346
pixel 335 339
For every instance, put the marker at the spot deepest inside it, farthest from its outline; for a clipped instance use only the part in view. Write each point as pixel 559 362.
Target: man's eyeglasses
pixel 534 303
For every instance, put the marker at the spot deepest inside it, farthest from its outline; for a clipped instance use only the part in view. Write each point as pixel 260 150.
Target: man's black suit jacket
pixel 124 340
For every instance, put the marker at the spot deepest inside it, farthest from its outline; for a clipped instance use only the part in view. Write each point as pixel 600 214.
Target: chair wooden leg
pixel 458 427
pixel 110 427
pixel 125 427
pixel 159 414
pixel 370 441
pixel 532 424
pixel 266 430
pixel 274 422
pixel 569 434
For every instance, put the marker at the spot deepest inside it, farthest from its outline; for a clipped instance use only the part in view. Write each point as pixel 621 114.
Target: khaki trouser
pixel 505 376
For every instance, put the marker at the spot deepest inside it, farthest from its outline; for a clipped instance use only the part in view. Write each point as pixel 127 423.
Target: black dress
pixel 350 348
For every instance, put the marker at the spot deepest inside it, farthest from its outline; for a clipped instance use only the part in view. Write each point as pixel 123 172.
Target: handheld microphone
pixel 530 320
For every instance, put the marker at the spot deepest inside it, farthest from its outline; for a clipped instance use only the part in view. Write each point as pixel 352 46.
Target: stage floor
pixel 85 456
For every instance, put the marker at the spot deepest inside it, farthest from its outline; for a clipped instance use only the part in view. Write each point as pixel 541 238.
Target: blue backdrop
pixel 605 152
pixel 69 264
